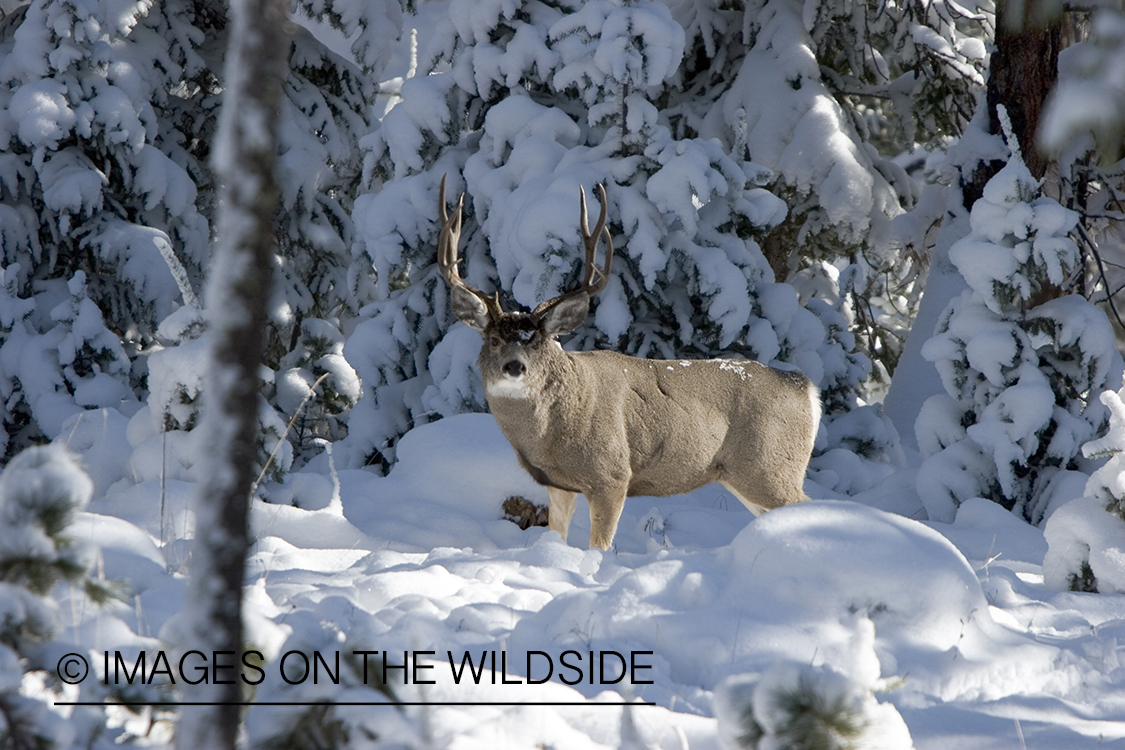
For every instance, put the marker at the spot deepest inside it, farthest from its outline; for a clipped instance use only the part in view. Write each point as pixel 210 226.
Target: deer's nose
pixel 514 368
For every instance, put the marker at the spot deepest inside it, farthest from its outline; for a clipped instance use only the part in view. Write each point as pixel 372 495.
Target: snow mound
pixel 832 559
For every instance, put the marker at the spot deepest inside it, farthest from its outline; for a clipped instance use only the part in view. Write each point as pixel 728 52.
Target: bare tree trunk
pixel 1022 71
pixel 238 287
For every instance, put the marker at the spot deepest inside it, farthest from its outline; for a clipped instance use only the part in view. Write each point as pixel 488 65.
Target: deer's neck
pixel 530 415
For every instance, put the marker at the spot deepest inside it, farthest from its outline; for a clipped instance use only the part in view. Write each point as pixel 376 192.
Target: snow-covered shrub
pixel 315 385
pixel 1085 549
pixel 1022 366
pixel 1107 484
pixel 344 674
pixel 57 358
pixel 41 490
pixel 176 376
pixel 804 707
pixel 175 373
pixel 858 450
pixel 859 447
pixel 1086 537
pixel 798 707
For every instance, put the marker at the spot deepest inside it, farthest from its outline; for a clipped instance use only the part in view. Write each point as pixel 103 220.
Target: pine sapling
pixel 41 491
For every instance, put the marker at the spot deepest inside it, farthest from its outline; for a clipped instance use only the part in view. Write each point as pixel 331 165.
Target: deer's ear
pixel 567 315
pixel 469 308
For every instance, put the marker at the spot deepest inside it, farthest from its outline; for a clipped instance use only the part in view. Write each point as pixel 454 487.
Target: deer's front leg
pixel 606 504
pixel 560 508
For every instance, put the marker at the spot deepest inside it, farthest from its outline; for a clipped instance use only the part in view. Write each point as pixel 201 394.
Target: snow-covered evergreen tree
pixel 870 79
pixel 522 104
pixel 324 109
pixel 57 358
pixel 825 96
pixel 97 194
pixel 1023 67
pixel 107 115
pixel 323 113
pixel 1022 367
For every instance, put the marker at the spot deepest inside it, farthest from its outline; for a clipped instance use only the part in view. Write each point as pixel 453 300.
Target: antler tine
pixel 449 238
pixel 589 286
pixel 590 240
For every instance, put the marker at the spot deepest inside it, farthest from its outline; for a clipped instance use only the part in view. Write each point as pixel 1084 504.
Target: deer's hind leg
pixel 768 472
pixel 752 506
pixel 760 491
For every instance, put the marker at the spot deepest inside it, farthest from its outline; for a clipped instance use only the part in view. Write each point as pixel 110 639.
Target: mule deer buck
pixel 609 425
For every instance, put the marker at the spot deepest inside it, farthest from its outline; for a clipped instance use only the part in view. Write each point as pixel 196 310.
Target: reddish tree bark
pixel 1022 71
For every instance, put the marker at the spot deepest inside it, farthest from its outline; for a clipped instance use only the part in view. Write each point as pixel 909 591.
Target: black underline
pixel 353 703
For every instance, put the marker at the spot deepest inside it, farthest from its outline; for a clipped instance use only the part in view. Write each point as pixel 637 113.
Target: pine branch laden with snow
pixel 1022 378
pixel 245 156
pixel 795 127
pixel 1086 536
pixel 371 26
pixel 41 490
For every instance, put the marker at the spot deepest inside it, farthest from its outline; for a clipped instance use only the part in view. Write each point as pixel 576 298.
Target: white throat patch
pixel 507 387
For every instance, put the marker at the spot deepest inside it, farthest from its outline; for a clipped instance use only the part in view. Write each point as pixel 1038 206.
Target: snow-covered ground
pixel 950 623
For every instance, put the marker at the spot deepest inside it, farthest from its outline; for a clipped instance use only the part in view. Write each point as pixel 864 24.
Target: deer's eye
pixel 495 341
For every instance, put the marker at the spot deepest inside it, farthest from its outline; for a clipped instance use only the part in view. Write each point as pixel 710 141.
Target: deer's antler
pixel 448 240
pixel 595 278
